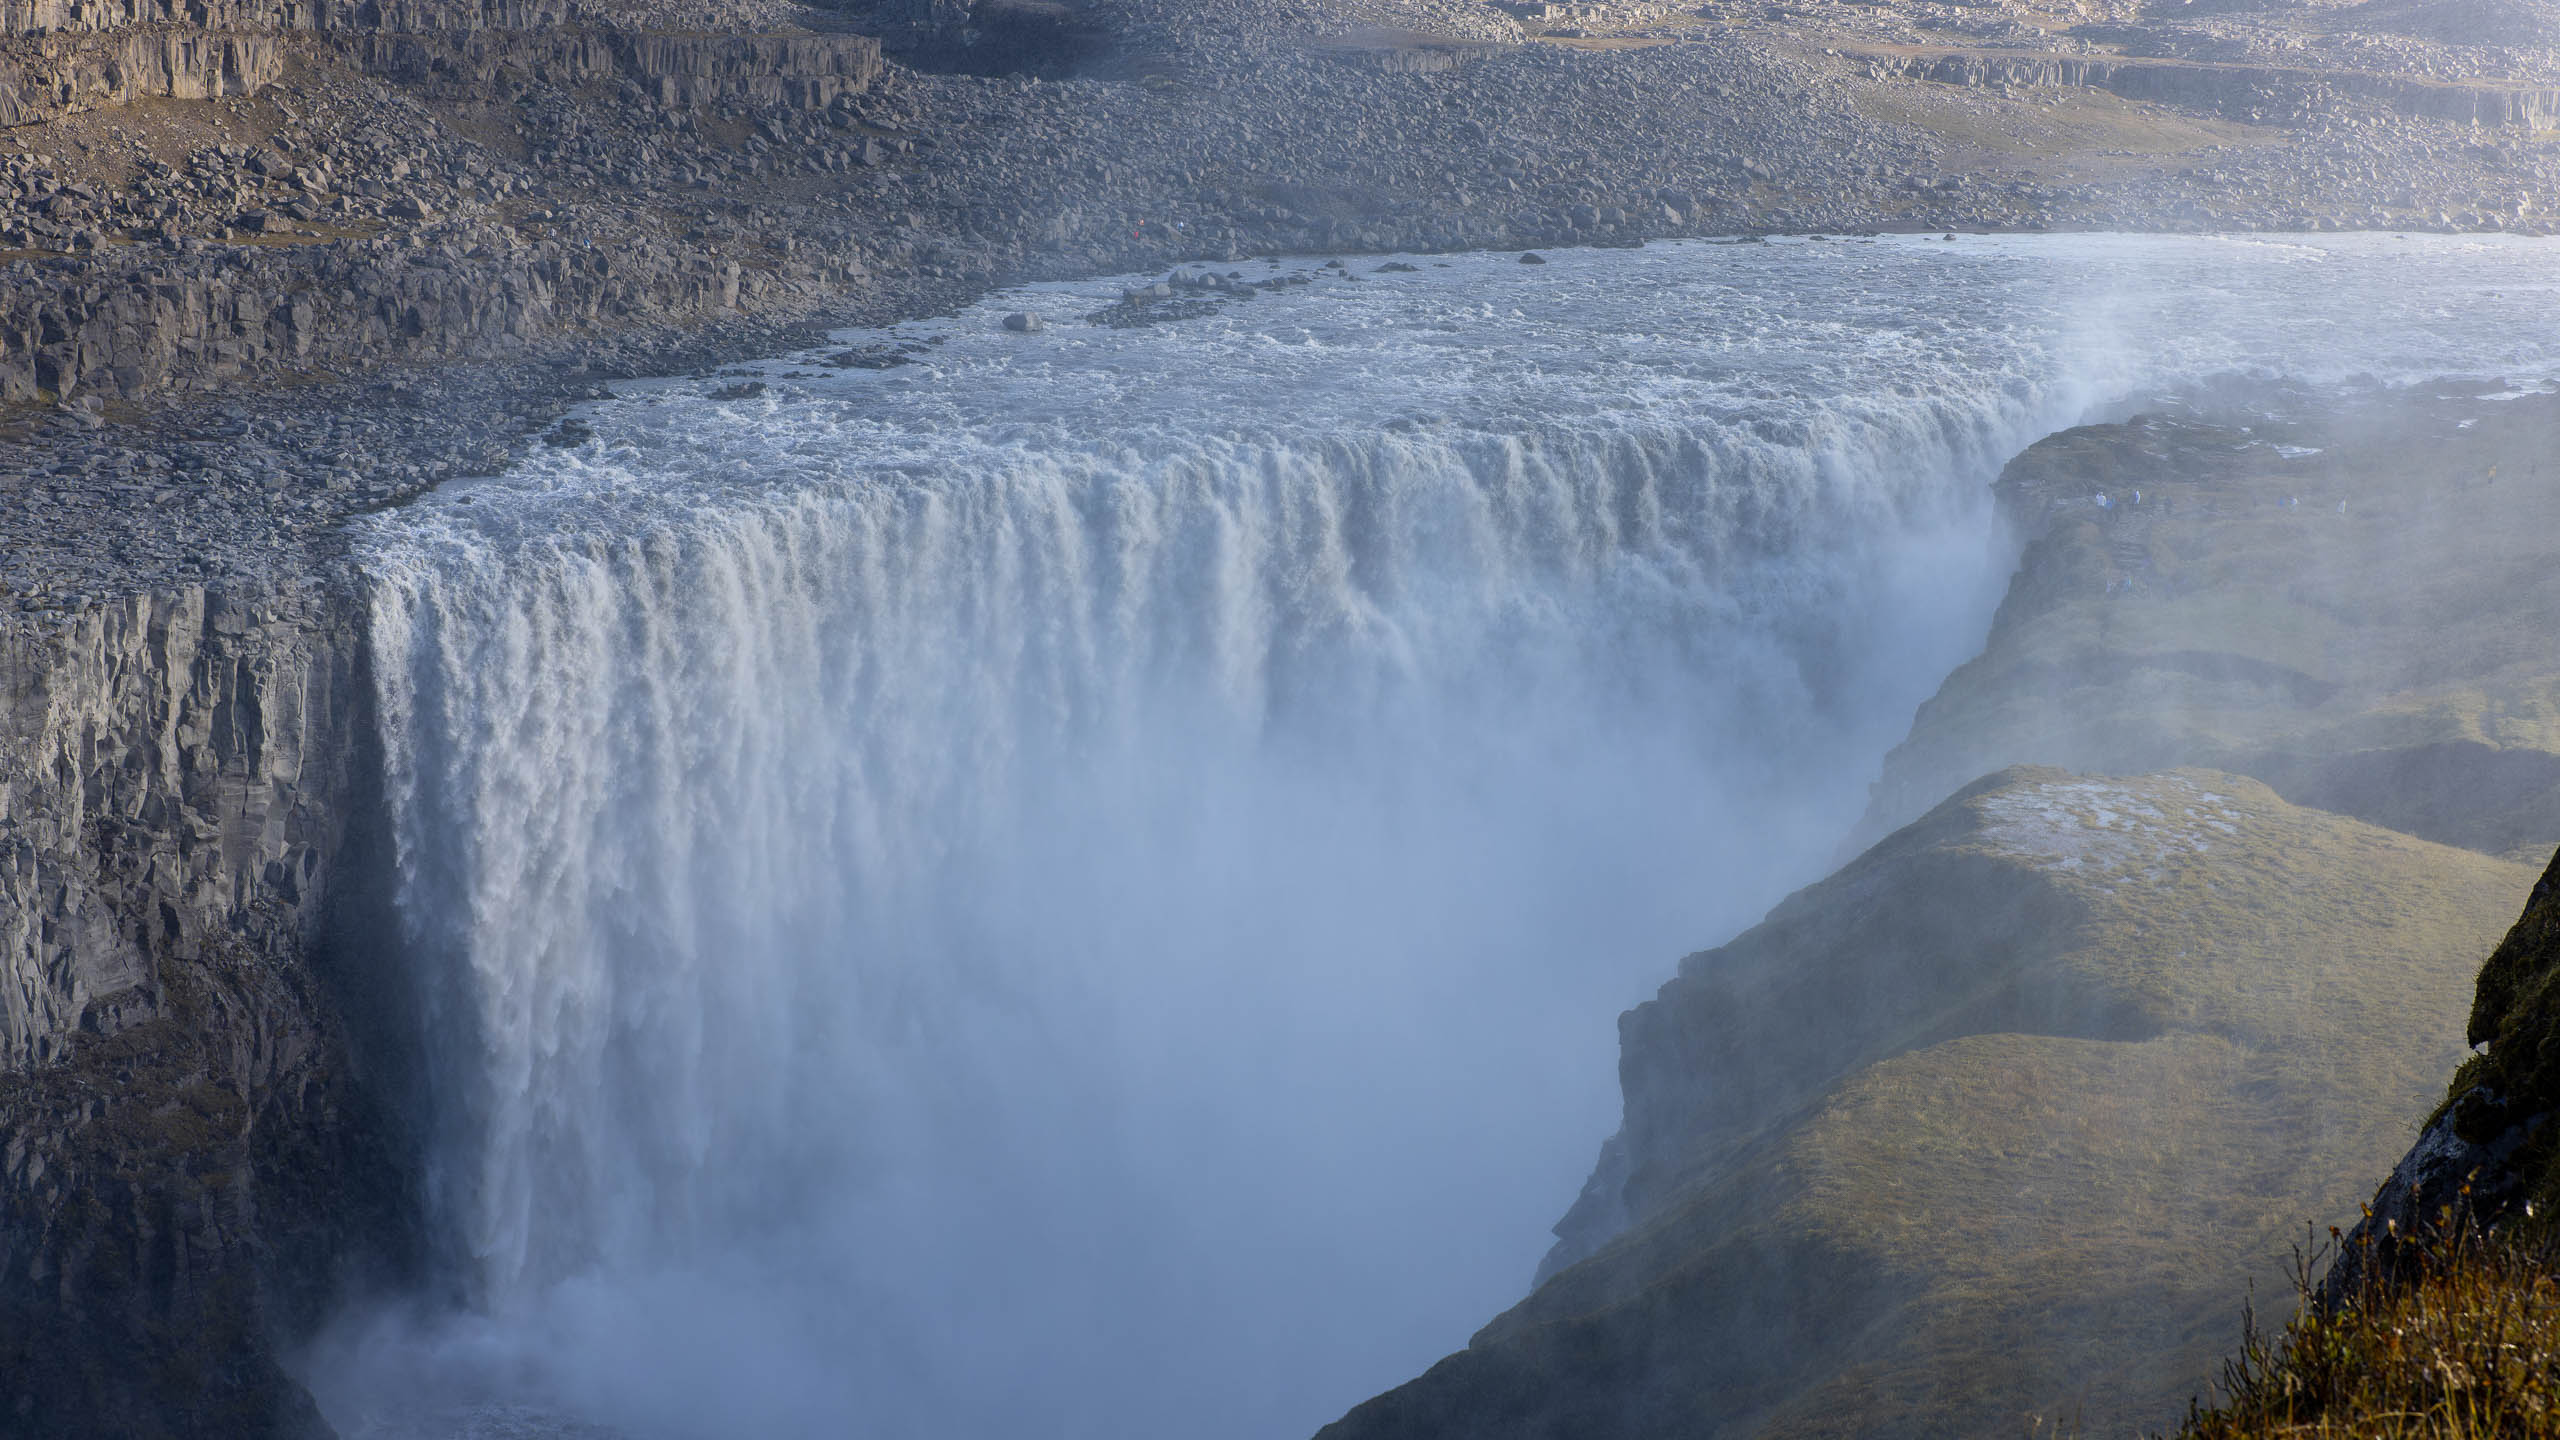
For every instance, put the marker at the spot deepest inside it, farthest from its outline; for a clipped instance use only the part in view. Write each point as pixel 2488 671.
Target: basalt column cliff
pixel 192 1168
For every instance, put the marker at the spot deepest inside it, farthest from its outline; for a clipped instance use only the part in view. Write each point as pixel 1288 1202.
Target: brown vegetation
pixel 2466 1344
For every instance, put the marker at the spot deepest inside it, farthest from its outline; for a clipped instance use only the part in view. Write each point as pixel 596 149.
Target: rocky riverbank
pixel 273 263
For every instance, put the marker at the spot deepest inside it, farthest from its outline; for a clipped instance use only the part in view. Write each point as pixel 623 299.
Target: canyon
pixel 278 272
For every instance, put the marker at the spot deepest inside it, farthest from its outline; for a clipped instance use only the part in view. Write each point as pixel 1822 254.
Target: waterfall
pixel 1085 892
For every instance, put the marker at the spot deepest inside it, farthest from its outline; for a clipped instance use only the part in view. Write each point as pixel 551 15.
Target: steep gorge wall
pixel 172 769
pixel 188 1162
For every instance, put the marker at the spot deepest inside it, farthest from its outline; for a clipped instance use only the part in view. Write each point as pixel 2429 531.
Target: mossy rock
pixel 1996 1123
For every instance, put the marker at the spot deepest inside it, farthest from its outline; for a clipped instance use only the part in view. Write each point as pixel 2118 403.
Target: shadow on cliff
pixel 219 1160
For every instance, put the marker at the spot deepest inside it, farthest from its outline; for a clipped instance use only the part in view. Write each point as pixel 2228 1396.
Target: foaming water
pixel 1081 885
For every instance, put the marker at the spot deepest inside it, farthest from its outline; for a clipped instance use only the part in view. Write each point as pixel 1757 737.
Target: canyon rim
pixel 966 717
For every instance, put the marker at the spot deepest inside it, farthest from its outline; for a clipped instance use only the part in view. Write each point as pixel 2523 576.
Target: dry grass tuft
pixel 2464 1346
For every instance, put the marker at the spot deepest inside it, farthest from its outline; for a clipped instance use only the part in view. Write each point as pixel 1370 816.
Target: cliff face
pixel 58 60
pixel 189 1164
pixel 172 770
pixel 2348 600
pixel 1992 1124
pixel 56 75
pixel 2489 1151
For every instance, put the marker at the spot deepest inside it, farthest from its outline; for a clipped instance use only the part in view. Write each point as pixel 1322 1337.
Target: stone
pixel 1024 321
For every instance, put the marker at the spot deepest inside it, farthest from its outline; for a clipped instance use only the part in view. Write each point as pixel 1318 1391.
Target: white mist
pixel 1081 887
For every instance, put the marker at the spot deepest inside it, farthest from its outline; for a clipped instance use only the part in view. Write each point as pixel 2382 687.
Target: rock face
pixel 2292 602
pixel 58 75
pixel 191 1165
pixel 174 769
pixel 61 60
pixel 2490 1149
pixel 1991 1124
pixel 674 71
pixel 251 313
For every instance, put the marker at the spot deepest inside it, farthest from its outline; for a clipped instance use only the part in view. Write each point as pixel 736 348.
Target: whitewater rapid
pixel 1080 885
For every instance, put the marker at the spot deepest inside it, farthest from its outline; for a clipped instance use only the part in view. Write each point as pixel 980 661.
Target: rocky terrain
pixel 486 206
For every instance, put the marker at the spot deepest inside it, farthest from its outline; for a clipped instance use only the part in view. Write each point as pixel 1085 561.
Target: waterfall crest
pixel 1084 891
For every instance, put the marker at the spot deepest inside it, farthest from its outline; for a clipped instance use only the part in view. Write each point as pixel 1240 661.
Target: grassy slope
pixel 2391 661
pixel 2442 1315
pixel 2019 1165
